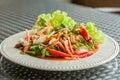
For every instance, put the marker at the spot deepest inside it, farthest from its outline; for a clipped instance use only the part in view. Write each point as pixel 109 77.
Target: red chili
pixel 84 54
pixel 70 46
pixel 90 53
pixel 84 32
pixel 58 53
pixel 80 55
pixel 27 37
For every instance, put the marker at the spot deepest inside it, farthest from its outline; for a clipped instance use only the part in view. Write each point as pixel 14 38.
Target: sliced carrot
pixel 48 39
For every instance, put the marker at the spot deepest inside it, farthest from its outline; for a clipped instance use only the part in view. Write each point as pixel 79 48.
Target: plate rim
pixel 93 65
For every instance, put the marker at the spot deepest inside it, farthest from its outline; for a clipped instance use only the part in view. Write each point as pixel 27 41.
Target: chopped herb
pixel 23 53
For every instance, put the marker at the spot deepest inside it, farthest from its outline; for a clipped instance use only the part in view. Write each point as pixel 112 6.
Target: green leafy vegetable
pixel 59 18
pixel 44 53
pixel 90 46
pixel 40 51
pixel 96 35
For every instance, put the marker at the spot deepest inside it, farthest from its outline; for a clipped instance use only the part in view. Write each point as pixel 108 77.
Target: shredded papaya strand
pixel 39 33
pixel 67 49
pixel 61 40
pixel 70 46
pixel 43 45
pixel 58 35
pixel 53 44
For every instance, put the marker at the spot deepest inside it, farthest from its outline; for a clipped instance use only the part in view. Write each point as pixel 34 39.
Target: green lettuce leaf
pixel 60 19
pixel 97 35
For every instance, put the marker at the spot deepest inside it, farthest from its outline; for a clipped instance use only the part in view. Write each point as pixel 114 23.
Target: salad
pixel 57 35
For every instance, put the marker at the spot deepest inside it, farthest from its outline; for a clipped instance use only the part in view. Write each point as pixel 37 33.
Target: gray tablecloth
pixel 18 15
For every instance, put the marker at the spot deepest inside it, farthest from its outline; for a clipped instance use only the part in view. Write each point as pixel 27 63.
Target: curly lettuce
pixel 96 35
pixel 57 19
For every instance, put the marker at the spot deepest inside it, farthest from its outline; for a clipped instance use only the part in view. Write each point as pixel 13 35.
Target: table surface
pixel 18 15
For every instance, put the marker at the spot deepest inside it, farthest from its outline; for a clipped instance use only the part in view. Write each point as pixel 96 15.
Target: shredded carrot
pixel 48 39
pixel 58 35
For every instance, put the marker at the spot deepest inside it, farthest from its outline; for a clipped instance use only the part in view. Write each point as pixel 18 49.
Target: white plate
pixel 106 52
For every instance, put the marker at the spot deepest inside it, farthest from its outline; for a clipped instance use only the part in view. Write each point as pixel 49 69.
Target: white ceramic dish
pixel 106 52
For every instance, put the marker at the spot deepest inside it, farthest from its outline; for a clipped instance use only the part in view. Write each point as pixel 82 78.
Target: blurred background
pixel 112 6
